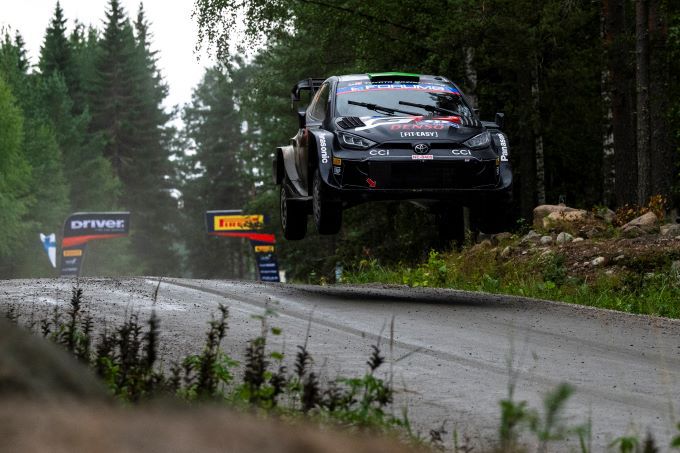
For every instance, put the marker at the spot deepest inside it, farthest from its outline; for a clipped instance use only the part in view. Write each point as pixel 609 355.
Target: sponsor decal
pixel 398 86
pixel 418 126
pixel 422 156
pixel 337 161
pixel 70 261
pixel 504 147
pixel 324 150
pixel 237 222
pixel 379 152
pixel 73 252
pixel 98 224
pixel 461 152
pixel 420 134
pixel 264 249
pixel 371 183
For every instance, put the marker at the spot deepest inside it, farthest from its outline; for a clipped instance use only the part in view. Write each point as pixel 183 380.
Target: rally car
pixel 391 136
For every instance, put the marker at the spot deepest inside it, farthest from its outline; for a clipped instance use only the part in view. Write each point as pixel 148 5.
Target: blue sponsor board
pixel 268 267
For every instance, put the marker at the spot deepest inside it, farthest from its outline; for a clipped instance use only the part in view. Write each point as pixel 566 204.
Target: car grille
pixel 423 175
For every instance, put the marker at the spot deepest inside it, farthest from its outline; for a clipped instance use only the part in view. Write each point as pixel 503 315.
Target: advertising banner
pixel 83 227
pixel 49 242
pixel 233 223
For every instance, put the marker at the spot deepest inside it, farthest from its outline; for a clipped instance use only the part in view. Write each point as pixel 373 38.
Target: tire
pixel 451 224
pixel 293 216
pixel 327 212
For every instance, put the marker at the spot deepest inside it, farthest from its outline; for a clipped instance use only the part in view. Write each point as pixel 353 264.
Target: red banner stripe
pixel 261 237
pixel 79 240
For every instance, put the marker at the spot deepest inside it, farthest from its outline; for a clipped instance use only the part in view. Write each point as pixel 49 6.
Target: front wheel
pixel 293 217
pixel 327 212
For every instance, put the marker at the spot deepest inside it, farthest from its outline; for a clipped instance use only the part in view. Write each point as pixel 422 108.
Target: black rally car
pixel 392 136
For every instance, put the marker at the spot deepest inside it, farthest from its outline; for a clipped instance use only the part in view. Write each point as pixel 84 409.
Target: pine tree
pixel 14 175
pixel 56 53
pixel 215 175
pixel 126 96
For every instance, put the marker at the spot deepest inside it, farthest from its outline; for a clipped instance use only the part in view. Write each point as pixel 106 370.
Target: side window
pixel 317 110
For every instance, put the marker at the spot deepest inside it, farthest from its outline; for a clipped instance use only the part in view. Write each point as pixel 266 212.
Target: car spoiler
pixel 311 84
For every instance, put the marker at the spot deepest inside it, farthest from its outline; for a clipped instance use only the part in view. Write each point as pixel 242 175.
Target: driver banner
pixel 83 227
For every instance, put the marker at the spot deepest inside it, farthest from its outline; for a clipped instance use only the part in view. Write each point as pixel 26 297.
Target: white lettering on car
pixel 324 150
pixel 419 134
pixel 379 152
pixel 461 152
pixel 504 147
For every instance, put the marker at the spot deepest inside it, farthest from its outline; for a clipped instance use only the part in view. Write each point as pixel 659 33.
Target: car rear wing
pixel 310 84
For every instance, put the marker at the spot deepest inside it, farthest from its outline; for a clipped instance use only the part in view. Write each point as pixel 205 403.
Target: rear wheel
pixel 293 216
pixel 327 212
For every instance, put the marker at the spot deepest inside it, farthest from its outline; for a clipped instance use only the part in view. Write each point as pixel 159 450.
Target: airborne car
pixel 392 136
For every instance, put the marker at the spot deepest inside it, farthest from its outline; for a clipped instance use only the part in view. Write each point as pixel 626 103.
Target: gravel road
pixel 454 353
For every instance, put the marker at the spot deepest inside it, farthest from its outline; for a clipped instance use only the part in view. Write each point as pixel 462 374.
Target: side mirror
pixel 500 120
pixel 302 118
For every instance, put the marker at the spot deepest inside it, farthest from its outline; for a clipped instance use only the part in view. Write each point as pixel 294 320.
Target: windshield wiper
pixel 380 108
pixel 430 108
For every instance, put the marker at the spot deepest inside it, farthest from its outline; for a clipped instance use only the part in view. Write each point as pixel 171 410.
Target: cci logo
pixel 421 148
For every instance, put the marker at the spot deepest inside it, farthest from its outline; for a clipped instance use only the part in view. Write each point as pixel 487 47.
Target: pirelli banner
pixel 234 223
pixel 83 227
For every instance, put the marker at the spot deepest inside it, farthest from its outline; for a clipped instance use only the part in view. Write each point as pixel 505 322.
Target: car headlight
pixel 354 141
pixel 479 141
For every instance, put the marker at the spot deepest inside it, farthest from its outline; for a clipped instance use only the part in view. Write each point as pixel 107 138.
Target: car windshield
pixel 389 95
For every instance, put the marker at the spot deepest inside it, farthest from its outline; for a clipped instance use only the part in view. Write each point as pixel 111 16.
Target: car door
pixel 316 113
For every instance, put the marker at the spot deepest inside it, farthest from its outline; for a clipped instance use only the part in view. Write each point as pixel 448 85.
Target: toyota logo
pixel 421 148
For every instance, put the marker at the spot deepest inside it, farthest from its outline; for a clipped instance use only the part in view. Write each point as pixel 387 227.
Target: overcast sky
pixel 173 33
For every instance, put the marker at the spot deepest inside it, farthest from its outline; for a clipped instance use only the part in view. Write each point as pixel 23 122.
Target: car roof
pixel 386 75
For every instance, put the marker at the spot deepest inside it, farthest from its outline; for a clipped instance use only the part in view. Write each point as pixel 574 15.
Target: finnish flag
pixel 50 244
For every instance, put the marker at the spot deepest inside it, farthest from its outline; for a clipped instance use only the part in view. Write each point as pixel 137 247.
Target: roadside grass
pixel 126 358
pixel 635 290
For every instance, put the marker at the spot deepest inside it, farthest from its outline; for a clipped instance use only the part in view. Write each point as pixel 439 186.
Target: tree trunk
pixel 538 136
pixel 659 75
pixel 620 75
pixel 642 80
pixel 470 76
pixel 608 161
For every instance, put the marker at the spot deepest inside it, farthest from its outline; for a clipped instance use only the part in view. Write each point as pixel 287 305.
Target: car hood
pixel 411 128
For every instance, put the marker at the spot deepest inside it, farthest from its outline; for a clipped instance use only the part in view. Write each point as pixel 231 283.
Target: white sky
pixel 173 31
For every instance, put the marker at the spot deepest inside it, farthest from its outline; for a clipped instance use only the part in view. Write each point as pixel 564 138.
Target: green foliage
pixel 650 285
pixel 14 172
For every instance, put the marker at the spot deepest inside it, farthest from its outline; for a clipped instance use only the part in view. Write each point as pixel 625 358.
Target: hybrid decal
pixel 324 150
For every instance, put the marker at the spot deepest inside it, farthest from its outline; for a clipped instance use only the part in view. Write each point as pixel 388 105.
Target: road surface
pixel 454 353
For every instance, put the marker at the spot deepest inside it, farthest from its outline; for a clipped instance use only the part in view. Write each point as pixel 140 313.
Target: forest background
pixel 590 90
